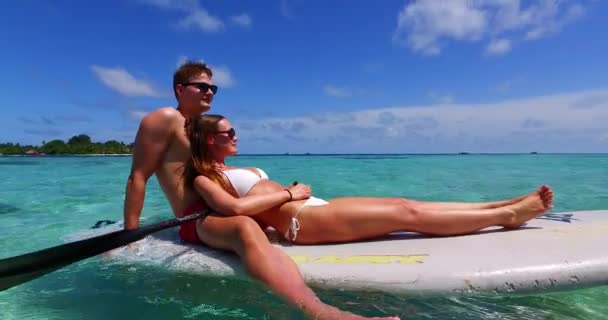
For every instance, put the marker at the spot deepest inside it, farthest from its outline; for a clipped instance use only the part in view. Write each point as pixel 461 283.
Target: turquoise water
pixel 44 199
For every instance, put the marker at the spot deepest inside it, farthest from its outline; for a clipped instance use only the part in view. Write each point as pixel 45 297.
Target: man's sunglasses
pixel 202 86
pixel 231 132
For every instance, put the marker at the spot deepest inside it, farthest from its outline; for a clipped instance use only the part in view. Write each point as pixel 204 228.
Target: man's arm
pixel 151 143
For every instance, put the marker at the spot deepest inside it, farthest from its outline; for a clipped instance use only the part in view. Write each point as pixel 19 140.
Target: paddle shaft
pixel 23 268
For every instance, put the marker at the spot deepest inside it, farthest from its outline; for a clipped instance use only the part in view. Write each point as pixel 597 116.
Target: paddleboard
pixel 553 252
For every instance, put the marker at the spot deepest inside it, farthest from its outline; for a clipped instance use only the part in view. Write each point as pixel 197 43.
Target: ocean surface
pixel 43 199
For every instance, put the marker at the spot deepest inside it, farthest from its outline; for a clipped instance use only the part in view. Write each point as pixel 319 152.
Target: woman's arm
pixel 225 203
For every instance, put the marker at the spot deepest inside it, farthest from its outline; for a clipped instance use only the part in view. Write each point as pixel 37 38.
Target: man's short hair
pixel 189 70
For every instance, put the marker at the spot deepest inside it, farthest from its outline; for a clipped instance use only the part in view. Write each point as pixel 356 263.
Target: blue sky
pixel 317 76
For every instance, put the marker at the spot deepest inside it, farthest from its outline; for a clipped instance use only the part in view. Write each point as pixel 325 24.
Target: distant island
pixel 77 145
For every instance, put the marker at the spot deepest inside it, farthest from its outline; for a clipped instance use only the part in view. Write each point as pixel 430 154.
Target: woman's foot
pixel 498 204
pixel 533 205
pixel 543 190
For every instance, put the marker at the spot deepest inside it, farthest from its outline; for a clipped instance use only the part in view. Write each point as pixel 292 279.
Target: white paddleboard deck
pixel 560 251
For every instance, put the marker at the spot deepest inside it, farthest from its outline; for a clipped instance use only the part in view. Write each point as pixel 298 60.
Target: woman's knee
pixel 247 231
pixel 408 209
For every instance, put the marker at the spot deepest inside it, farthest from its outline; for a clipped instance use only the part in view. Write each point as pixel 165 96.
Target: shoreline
pixel 68 155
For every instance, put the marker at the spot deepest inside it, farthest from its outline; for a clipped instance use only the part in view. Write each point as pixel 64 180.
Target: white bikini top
pixel 243 180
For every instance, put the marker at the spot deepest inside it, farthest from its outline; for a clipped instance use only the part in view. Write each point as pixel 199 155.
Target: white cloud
pixel 202 20
pixel 243 20
pixel 338 92
pixel 551 26
pixel 223 77
pixel 425 25
pixel 498 47
pixel 554 123
pixel 121 81
pixel 196 17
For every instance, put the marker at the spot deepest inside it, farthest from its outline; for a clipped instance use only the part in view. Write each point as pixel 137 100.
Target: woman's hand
pixel 299 192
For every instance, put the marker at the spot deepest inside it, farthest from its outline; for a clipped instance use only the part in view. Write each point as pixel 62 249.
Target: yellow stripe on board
pixel 380 259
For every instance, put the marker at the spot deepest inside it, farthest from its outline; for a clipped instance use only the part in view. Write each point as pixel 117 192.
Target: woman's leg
pixel 430 205
pixel 349 219
pixel 266 263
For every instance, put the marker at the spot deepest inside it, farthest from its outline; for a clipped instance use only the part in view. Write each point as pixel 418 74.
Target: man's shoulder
pixel 163 115
pixel 162 119
pixel 164 112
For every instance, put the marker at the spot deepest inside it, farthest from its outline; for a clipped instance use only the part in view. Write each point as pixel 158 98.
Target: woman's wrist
pixel 290 194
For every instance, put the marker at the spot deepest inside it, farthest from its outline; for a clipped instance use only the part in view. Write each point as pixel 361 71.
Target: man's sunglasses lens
pixel 203 86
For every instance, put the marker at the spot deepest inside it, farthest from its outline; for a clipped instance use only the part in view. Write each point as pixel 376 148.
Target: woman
pixel 304 219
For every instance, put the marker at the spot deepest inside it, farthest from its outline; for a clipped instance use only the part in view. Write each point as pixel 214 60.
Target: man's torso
pixel 169 173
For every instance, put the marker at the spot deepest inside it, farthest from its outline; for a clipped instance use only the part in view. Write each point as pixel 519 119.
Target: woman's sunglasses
pixel 202 86
pixel 231 132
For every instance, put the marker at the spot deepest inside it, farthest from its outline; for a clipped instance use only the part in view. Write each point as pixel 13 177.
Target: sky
pixel 348 76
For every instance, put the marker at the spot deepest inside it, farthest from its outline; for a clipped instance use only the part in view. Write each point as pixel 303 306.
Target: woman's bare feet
pixel 543 190
pixel 533 205
pixel 547 195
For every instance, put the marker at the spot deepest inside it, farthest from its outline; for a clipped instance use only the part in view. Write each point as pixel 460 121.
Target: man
pixel 162 148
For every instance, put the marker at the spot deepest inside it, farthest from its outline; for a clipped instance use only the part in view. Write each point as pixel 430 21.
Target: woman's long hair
pixel 200 163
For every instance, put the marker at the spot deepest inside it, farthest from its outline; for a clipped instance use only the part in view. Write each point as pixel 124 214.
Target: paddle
pixel 23 268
